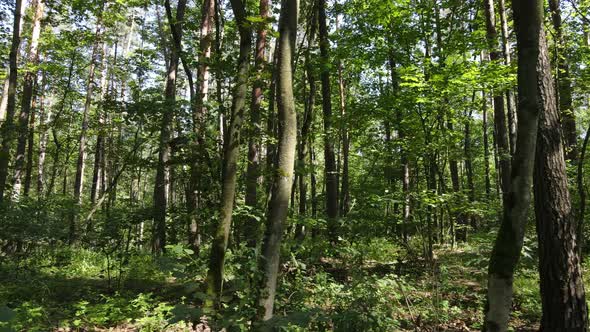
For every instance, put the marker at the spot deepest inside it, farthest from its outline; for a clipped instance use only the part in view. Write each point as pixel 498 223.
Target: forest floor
pixel 373 286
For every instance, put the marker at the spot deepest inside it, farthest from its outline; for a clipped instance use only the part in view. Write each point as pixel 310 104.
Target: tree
pixel 253 168
pixel 562 287
pixel 7 129
pixel 532 54
pixel 283 172
pixel 161 187
pixel 30 78
pixel 230 159
pixel 331 173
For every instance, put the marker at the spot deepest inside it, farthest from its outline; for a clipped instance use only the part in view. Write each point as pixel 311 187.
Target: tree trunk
pixel 510 104
pixel 469 167
pixel 253 169
pixel 99 151
pixel 461 233
pixel 7 126
pixel 486 146
pixel 532 55
pixel 230 161
pixel 564 86
pixel 331 174
pixel 79 180
pixel 199 119
pixel 562 288
pixel 30 147
pixel 302 149
pixel 283 175
pixel 501 135
pixel 44 117
pixel 162 185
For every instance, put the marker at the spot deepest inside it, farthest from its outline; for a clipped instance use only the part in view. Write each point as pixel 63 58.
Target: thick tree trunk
pixel 501 134
pixel 6 130
pixel 283 175
pixel 562 287
pixel 331 174
pixel 564 86
pixel 162 185
pixel 253 168
pixel 532 56
pixel 230 160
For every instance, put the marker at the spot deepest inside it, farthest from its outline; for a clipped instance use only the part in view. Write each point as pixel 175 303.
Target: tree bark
pixel 44 116
pixel 331 174
pixel 7 130
pixel 283 175
pixel 562 288
pixel 486 146
pixel 528 18
pixel 230 160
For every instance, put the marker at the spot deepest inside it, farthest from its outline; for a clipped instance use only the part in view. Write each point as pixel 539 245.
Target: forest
pixel 294 165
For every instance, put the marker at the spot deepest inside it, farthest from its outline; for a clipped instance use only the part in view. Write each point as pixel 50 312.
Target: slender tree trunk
pixel 30 147
pixel 7 130
pixel 532 55
pixel 302 149
pixel 469 167
pixel 99 151
pixel 582 194
pixel 461 233
pixel 230 161
pixel 30 79
pixel 501 135
pixel 510 103
pixel 4 100
pixel 81 163
pixel 331 174
pixel 253 169
pixel 162 185
pixel 344 183
pixel 564 86
pixel 562 287
pixel 486 146
pixel 44 117
pixel 283 175
pixel 199 119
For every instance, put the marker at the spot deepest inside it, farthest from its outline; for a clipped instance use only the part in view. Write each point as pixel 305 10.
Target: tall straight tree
pixel 199 116
pixel 331 173
pixel 30 78
pixel 7 130
pixel 532 54
pixel 564 85
pixel 90 85
pixel 512 120
pixel 230 159
pixel 562 287
pixel 500 131
pixel 161 188
pixel 284 165
pixel 306 126
pixel 253 169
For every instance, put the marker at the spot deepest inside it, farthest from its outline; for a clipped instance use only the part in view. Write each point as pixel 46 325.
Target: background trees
pixel 365 153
